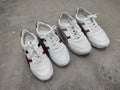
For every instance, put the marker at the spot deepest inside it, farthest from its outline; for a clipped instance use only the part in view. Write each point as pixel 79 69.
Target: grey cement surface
pixel 100 70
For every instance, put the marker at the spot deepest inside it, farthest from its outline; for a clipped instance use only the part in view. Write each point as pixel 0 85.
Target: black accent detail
pixel 43 40
pixel 56 33
pixel 26 57
pixel 26 52
pixel 39 44
pixel 36 24
pixel 64 29
pixel 82 23
pixel 61 35
pixel 82 29
pixel 27 60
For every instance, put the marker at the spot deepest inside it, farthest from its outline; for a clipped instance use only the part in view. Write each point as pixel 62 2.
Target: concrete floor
pixel 100 70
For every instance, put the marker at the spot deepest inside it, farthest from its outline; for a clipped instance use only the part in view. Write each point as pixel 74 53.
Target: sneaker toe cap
pixel 100 41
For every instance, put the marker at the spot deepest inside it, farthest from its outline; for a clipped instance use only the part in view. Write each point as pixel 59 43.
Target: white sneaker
pixel 94 32
pixel 75 38
pixel 40 64
pixel 57 50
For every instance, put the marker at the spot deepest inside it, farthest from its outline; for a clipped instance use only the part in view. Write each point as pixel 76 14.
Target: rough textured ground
pixel 100 70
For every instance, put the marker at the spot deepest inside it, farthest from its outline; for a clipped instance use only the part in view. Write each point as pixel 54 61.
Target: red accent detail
pixel 87 30
pixel 68 37
pixel 43 52
pixel 60 40
pixel 29 60
pixel 48 47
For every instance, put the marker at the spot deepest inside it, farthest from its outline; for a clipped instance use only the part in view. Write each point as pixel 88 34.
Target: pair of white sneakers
pixel 75 36
pixel 39 62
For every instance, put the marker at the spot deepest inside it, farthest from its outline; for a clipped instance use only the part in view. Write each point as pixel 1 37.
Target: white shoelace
pixel 91 23
pixel 34 52
pixel 52 40
pixel 73 30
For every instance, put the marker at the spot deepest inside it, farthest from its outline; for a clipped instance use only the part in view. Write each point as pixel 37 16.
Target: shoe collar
pixel 23 32
pixel 65 15
pixel 51 29
pixel 84 12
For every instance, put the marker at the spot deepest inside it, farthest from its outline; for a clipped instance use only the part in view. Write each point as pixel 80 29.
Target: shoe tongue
pixel 34 42
pixel 71 24
pixel 50 34
pixel 92 16
pixel 44 33
pixel 86 17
